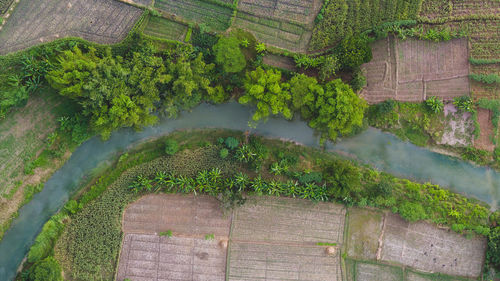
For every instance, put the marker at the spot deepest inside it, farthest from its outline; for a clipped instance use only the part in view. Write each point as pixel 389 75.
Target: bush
pixel 223 153
pixel 435 104
pixel 44 242
pixel 329 67
pixel 358 81
pixel 228 54
pixel 171 147
pixel 486 78
pixel 46 270
pixel 231 143
pixel 464 103
pixel 353 52
pixel 412 211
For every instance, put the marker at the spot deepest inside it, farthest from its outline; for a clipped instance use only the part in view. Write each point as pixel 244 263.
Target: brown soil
pixel 37 21
pixel 485 124
pixel 414 70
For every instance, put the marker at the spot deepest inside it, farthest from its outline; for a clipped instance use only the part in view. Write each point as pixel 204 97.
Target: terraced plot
pixel 151 257
pixel 182 214
pixel 275 32
pixel 413 70
pixel 301 11
pixel 424 247
pixel 276 239
pixel 166 29
pixel 37 21
pixel 284 24
pixel 214 16
pixel 374 238
pixel 187 255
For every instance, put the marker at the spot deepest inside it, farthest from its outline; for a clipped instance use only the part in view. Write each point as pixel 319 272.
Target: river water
pixel 381 150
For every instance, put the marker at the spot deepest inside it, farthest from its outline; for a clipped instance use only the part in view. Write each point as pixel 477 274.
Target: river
pixel 381 150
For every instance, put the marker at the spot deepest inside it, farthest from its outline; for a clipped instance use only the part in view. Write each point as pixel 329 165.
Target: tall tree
pixel 265 90
pixel 114 93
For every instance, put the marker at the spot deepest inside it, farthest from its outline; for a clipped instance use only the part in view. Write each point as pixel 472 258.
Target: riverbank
pixel 308 161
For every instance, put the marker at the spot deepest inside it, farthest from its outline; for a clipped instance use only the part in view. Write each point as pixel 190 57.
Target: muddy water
pixel 383 151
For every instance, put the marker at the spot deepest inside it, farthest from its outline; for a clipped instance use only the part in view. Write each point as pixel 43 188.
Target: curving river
pixel 381 150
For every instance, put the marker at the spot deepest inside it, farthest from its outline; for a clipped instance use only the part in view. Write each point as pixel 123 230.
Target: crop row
pixel 165 29
pixel 292 10
pixel 343 18
pixel 4 5
pixel 214 16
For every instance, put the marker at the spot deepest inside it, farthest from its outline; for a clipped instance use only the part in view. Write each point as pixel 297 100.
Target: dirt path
pixel 486 130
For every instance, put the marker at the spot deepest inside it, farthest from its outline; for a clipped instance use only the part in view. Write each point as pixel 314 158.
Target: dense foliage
pixel 45 270
pixel 228 54
pixel 113 92
pixel 341 18
pixel 265 90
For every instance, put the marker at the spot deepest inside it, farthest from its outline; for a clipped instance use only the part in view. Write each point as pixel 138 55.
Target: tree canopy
pixel 114 93
pixel 265 90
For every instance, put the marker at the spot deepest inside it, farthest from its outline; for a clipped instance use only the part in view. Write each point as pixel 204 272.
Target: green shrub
pixel 358 81
pixel 329 67
pixel 167 233
pixel 464 103
pixel 486 78
pixel 412 211
pixel 44 242
pixel 223 153
pixel 171 147
pixel 188 34
pixel 228 54
pixel 483 61
pixel 72 207
pixel 46 270
pixel 353 52
pixel 435 105
pixel 231 143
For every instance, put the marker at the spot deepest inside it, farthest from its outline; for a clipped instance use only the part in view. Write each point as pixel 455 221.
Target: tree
pixel 189 84
pixel 338 111
pixel 264 89
pixel 228 54
pixel 304 90
pixel 114 93
pixel 343 179
pixel 46 270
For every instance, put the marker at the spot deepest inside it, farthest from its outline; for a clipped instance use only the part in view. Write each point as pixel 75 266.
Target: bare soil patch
pixel 364 228
pixel 458 127
pixel 37 21
pixel 182 214
pixel 256 261
pixel 285 24
pixel 413 70
pixel 188 254
pixel 425 247
pixel 486 130
pixel 148 257
pixel 367 271
pixel 282 62
pixel 276 239
pixel 270 219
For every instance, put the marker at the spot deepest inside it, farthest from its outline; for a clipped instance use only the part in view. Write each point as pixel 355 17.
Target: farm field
pixel 272 238
pixel 165 28
pixel 23 137
pixel 420 246
pixel 214 16
pixel 344 18
pixel 38 21
pixel 285 24
pixel 413 70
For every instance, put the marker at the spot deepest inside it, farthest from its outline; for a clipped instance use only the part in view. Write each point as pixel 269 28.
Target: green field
pixel 213 16
pixel 165 29
pixel 343 18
